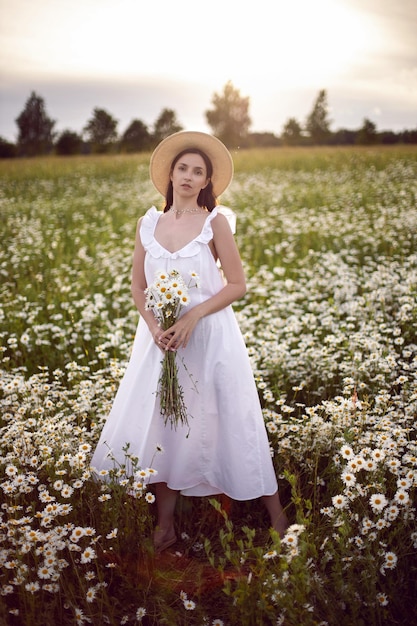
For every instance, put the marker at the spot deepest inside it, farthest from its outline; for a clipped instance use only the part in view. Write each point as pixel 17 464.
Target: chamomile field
pixel 328 238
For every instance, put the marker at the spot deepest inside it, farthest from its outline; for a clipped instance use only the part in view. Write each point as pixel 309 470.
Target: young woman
pixel 224 448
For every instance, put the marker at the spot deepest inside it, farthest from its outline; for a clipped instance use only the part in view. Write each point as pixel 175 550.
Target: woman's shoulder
pixel 147 222
pixel 151 216
pixel 223 217
pixel 152 213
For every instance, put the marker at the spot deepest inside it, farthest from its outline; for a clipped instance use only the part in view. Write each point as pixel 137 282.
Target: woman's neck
pixel 185 205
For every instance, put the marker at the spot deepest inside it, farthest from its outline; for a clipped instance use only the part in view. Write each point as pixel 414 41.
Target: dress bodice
pixel 195 256
pixel 153 247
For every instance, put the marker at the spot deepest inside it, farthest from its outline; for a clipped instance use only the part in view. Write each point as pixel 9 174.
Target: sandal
pixel 160 546
pixel 164 545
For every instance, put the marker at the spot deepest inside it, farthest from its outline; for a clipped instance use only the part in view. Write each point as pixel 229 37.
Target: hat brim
pixel 164 154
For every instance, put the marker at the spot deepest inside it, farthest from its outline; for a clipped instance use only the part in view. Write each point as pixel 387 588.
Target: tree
pixel 35 128
pixel 7 149
pixel 101 130
pixel 292 133
pixel 136 137
pixel 165 125
pixel 318 123
pixel 262 140
pixel 408 136
pixel 68 143
pixel 367 134
pixel 343 137
pixel 229 119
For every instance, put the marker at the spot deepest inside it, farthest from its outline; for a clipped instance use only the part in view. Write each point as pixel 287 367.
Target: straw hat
pixel 167 150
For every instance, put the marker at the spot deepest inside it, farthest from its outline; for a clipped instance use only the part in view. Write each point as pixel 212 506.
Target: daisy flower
pixel 91 594
pixel 79 616
pixel 393 465
pixel 77 533
pixel 32 587
pixel 167 297
pixel 270 554
pixel 353 465
pixel 382 599
pixel 189 605
pixel 403 483
pixel 67 491
pixel 11 471
pixel 339 501
pixel 44 572
pixel 195 277
pixel 381 523
pixel 378 455
pixel 346 452
pixel 290 539
pixel 348 478
pixel 378 501
pixel 391 513
pixel 142 473
pixel 370 465
pixel 141 612
pixel 402 497
pixel 390 560
pixel 88 555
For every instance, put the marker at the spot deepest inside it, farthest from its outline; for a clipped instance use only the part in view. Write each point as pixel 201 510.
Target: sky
pixel 136 57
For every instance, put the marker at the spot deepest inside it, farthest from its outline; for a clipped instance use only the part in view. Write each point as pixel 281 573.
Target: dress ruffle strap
pixel 154 248
pixel 147 229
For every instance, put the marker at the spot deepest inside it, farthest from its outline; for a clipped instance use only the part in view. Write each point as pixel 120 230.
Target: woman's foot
pixel 164 533
pixel 163 539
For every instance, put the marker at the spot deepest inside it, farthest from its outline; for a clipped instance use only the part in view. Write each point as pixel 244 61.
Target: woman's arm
pixel 139 285
pixel 228 254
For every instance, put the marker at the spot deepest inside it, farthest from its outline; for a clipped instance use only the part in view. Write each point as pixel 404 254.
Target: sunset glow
pixel 157 54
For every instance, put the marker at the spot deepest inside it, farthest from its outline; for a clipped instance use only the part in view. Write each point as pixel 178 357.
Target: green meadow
pixel 328 237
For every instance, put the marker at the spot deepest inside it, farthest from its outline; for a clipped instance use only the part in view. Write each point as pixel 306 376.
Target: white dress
pixel 227 449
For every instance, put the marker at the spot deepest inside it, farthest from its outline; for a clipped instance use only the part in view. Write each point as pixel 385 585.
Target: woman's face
pixel 189 175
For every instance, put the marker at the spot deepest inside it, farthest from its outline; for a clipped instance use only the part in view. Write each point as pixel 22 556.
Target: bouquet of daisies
pixel 166 297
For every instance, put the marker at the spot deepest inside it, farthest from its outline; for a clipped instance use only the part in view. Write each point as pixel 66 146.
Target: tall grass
pixel 328 239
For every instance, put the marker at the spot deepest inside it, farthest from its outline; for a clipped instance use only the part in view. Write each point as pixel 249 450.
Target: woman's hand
pixel 157 333
pixel 178 335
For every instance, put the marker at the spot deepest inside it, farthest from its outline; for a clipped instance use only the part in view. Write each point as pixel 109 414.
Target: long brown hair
pixel 206 198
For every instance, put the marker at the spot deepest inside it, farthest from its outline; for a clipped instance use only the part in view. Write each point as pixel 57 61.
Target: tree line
pixel 228 119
